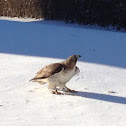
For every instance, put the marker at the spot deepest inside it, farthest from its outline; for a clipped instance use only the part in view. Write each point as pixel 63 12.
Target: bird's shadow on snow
pixel 102 97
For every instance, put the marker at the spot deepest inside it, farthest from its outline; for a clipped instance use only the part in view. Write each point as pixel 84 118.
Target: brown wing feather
pixel 49 70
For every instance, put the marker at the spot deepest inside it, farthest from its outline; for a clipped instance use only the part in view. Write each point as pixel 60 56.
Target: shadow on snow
pixel 59 40
pixel 102 97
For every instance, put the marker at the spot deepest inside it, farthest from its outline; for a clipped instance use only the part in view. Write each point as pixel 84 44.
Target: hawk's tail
pixel 32 80
pixel 36 80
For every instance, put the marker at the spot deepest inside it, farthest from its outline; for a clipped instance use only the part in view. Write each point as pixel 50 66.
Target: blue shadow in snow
pixel 59 40
pixel 102 97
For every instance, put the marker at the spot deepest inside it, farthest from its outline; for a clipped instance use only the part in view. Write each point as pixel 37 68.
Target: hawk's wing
pixel 49 70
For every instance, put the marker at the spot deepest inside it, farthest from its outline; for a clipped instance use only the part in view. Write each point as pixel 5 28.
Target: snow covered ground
pixel 26 47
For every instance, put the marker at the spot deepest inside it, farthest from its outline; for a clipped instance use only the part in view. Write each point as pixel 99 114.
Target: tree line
pixel 100 12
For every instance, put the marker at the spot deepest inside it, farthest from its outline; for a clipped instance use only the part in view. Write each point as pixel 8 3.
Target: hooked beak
pixel 78 56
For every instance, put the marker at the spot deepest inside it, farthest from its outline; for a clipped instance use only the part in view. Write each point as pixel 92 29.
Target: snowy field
pixel 27 45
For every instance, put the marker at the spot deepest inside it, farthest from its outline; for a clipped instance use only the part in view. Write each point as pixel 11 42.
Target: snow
pixel 26 47
pixel 19 19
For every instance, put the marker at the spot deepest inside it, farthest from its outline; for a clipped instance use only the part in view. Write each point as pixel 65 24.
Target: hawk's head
pixel 72 59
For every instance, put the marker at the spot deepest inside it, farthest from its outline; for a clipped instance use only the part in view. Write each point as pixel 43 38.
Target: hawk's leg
pixel 53 89
pixel 56 92
pixel 69 90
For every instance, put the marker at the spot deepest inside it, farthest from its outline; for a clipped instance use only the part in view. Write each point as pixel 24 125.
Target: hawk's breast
pixel 64 77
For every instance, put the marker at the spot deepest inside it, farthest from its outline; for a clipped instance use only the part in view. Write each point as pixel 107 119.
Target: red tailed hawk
pixel 58 74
